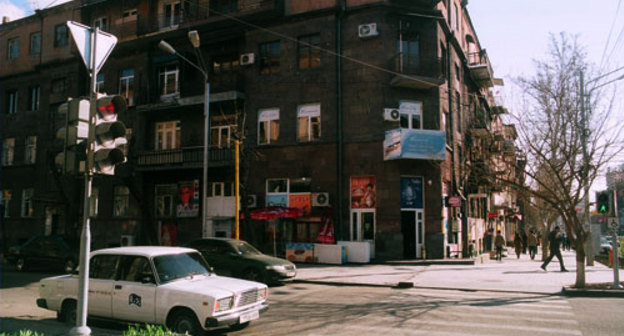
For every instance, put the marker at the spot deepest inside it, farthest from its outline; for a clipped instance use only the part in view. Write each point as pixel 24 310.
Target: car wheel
pixel 254 275
pixel 186 322
pixel 20 264
pixel 69 266
pixel 68 313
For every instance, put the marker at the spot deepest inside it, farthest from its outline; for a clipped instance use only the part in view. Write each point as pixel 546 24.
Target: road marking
pixel 490 316
pixel 557 331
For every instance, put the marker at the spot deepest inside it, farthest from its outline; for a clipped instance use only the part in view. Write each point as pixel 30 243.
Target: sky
pixel 514 33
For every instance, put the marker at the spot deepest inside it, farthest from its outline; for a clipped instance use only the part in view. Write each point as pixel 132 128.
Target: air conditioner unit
pixel 250 201
pixel 320 199
pixel 247 59
pixel 367 30
pixel 392 114
pixel 126 240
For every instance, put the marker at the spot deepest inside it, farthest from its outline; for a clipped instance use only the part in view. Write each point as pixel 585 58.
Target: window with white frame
pixel 99 83
pixel 309 122
pixel 13 49
pixel 222 189
pixel 27 203
pixel 126 85
pixel 165 197
pixel 277 186
pixel 6 201
pixel 33 99
pixel 121 201
pixel 30 155
pixel 94 202
pixel 410 115
pixel 220 136
pixel 268 125
pixel 12 102
pixel 102 23
pixel 167 135
pixel 168 76
pixel 8 151
pixel 171 11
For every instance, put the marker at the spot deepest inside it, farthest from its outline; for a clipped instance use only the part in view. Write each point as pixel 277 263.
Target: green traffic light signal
pixel 603 202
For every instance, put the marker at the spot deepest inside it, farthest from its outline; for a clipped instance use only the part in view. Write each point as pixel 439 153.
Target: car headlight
pixel 224 304
pixel 277 268
pixel 262 292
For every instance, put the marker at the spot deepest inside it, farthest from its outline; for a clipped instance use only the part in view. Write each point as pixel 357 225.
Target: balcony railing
pixel 418 73
pixel 480 68
pixel 189 157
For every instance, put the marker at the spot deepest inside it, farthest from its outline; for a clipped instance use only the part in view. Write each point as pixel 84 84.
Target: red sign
pixel 492 215
pixel 453 201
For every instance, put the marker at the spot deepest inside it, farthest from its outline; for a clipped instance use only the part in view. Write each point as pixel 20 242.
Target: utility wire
pixel 604 52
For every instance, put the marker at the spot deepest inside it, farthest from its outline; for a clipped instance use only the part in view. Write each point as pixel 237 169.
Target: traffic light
pixel 74 135
pixel 603 202
pixel 109 134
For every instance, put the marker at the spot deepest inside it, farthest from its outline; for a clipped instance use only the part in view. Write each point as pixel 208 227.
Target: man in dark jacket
pixel 554 239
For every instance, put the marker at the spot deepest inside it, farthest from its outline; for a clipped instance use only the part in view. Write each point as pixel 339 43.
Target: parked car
pixel 45 252
pixel 240 259
pixel 171 286
pixel 605 245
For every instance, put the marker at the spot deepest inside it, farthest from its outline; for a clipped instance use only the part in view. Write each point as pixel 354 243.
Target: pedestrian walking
pixel 532 243
pixel 499 242
pixel 518 244
pixel 554 239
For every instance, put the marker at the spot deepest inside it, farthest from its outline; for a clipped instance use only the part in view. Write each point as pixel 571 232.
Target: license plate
pixel 290 274
pixel 249 316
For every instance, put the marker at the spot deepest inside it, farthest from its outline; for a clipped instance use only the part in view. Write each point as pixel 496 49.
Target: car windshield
pixel 245 248
pixel 175 266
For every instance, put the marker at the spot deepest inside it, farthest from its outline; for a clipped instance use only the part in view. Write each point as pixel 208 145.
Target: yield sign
pixel 83 36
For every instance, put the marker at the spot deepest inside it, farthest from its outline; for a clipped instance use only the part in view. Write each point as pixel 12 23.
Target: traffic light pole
pixel 589 242
pixel 616 244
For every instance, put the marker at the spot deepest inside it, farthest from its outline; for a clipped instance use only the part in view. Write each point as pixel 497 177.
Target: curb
pixel 574 292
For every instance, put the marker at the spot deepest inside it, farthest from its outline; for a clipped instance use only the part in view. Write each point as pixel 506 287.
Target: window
pixel 99 83
pixel 269 57
pixel 8 148
pixel 168 135
pixel 220 136
pixel 268 126
pixel 277 186
pixel 126 147
pixel 35 43
pixel 130 13
pixel 443 60
pixel 309 52
pixel 126 85
pixel 27 203
pixel 59 85
pixel 13 49
pixel 457 72
pixel 409 49
pixel 6 201
pixel 121 201
pixel 411 115
pixel 101 23
pixel 103 267
pixel 94 202
pixel 30 155
pixel 454 17
pixel 309 122
pixel 171 14
pixel 12 102
pixel 165 196
pixel 224 6
pixel 134 268
pixel 222 189
pixel 60 35
pixel 33 98
pixel 222 64
pixel 458 105
pixel 168 79
pixel 301 185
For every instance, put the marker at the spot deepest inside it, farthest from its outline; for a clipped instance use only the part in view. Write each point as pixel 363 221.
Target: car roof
pixel 146 251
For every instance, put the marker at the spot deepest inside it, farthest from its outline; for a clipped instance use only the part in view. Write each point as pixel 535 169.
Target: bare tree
pixel 553 135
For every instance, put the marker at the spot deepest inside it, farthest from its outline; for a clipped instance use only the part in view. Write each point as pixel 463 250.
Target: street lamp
pixel 194 39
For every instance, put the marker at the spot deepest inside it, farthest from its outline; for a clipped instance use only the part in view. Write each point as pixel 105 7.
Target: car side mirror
pixel 147 279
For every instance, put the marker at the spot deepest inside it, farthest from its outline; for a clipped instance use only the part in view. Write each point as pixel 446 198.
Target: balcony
pixel 189 157
pixel 422 74
pixel 481 69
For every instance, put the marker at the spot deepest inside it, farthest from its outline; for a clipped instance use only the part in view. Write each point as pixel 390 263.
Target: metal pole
pixel 206 151
pixel 81 327
pixel 237 189
pixel 616 244
pixel 589 242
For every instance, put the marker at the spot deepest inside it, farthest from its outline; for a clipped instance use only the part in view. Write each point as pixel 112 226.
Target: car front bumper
pixel 233 318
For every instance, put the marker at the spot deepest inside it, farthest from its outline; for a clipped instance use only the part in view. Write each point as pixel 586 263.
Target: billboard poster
pixel 301 201
pixel 168 234
pixel 414 144
pixel 188 199
pixel 411 193
pixel 277 200
pixel 363 192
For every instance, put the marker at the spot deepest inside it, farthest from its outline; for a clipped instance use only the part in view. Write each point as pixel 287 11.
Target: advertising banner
pixel 277 200
pixel 411 193
pixel 188 199
pixel 301 201
pixel 363 192
pixel 414 144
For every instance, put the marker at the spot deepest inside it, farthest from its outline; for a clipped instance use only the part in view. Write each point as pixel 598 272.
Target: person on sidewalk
pixel 518 244
pixel 499 242
pixel 554 239
pixel 532 243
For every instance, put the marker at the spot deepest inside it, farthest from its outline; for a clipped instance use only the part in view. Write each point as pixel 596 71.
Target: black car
pixel 239 259
pixel 45 252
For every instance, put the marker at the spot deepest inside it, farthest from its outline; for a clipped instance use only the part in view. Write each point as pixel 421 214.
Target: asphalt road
pixel 310 309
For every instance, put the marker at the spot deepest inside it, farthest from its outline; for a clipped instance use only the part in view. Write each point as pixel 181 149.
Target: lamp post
pixel 194 39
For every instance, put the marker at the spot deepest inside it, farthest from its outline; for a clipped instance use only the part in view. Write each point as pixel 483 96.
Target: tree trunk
pixel 580 262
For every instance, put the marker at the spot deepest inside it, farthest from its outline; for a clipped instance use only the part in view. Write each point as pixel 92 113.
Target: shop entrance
pixel 363 225
pixel 412 229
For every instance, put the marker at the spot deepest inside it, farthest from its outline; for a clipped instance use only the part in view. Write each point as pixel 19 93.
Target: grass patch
pixel 136 330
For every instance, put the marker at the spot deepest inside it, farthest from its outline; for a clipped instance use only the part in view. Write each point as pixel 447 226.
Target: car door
pixel 134 293
pixel 102 273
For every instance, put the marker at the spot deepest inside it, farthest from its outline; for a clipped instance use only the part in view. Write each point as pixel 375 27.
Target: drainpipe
pixel 340 10
pixel 451 92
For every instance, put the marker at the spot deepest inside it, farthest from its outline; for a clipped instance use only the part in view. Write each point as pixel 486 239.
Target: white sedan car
pixel 172 286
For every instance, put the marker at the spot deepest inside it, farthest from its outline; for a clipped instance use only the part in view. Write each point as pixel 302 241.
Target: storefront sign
pixel 277 200
pixel 363 192
pixel 188 199
pixel 301 201
pixel 453 201
pixel 492 215
pixel 414 144
pixel 411 193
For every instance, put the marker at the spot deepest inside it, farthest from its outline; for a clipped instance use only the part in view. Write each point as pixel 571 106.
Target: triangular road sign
pixel 83 37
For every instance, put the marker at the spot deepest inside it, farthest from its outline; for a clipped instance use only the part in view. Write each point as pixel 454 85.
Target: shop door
pixel 363 225
pixel 412 229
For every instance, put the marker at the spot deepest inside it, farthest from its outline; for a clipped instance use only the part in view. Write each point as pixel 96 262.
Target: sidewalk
pixel 512 274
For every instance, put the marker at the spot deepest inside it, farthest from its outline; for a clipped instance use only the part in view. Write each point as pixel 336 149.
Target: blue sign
pixel 405 143
pixel 411 193
pixel 277 200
